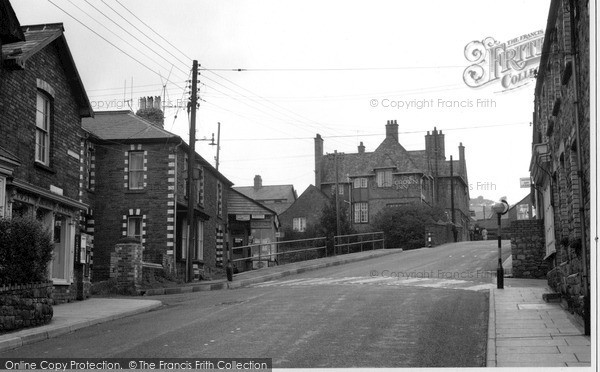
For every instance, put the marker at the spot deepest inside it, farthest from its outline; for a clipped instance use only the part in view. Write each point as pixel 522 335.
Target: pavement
pixel 523 330
pixel 526 331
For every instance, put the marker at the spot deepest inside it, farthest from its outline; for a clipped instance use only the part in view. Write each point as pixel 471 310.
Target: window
pixel 134 227
pixel 90 171
pixel 200 186
pixel 361 212
pixel 136 170
pixel 184 238
pixel 299 224
pixel 185 175
pixel 199 254
pixel 63 233
pixel 219 198
pixel 523 212
pixel 340 189
pixel 384 178
pixel 42 129
pixel 360 183
pixel 2 198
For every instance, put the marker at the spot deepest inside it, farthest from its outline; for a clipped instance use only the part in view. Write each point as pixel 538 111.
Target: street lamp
pixel 500 209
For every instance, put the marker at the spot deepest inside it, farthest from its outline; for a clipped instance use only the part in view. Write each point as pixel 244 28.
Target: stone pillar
pixel 126 264
pixel 528 249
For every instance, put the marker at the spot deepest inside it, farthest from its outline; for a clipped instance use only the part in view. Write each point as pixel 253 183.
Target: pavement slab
pixel 528 332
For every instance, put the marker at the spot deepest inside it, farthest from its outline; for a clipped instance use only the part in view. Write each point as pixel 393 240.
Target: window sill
pixel 44 167
pixel 135 191
pixel 60 282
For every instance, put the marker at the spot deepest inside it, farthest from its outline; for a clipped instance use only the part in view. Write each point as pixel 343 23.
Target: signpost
pixel 500 209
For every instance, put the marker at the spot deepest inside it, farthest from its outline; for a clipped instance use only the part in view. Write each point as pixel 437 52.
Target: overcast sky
pixel 329 67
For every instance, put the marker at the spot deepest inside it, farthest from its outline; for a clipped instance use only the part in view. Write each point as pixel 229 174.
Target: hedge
pixel 25 251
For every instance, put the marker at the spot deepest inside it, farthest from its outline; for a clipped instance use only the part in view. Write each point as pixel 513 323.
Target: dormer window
pixel 384 178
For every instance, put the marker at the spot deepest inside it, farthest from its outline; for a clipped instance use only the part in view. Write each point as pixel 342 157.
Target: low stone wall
pixel 26 305
pixel 528 249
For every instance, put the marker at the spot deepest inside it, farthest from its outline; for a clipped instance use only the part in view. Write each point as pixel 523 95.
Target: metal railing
pixel 358 242
pixel 255 256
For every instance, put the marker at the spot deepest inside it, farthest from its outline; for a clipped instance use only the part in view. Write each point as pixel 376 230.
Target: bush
pixel 404 226
pixel 25 251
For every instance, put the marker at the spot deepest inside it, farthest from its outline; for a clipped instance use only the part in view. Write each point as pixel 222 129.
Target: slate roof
pixel 271 192
pixel 123 124
pixel 389 154
pixel 37 37
pixel 238 203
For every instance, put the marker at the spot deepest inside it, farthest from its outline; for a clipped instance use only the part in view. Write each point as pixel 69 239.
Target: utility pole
pixel 337 193
pixel 191 168
pixel 218 145
pixel 454 232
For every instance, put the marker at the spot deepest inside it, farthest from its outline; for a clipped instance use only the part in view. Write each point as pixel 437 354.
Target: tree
pixel 328 223
pixel 405 226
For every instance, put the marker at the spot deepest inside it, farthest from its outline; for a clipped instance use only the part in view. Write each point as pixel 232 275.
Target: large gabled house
pixel 42 148
pixel 391 176
pixel 140 182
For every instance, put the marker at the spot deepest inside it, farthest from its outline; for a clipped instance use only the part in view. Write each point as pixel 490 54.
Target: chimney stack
pixel 361 148
pixel 318 159
pixel 391 129
pixel 257 182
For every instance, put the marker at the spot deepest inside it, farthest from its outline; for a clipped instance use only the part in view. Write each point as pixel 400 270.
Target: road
pixel 421 308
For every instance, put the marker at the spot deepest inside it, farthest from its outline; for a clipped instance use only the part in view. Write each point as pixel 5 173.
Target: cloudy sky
pixel 338 68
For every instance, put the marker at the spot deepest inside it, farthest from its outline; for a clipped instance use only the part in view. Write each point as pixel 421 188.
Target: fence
pixel 358 242
pixel 255 256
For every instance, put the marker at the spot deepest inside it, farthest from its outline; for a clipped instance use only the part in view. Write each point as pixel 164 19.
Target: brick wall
pixel 528 249
pixel 116 202
pixel 45 70
pixel 17 119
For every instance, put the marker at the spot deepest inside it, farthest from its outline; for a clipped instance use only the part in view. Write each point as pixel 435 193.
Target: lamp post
pixel 500 209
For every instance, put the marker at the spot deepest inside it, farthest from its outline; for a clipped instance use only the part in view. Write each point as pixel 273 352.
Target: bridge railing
pixel 344 244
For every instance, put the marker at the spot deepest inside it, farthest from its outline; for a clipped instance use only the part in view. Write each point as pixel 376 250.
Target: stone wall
pixel 528 249
pixel 26 305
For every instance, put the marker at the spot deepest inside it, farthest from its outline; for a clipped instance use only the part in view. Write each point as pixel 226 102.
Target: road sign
pixel 525 182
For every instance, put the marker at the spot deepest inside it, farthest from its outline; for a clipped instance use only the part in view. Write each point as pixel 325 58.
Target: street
pixel 420 308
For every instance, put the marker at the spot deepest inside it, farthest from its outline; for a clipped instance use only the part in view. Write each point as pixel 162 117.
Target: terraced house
pixel 42 148
pixel 560 162
pixel 140 185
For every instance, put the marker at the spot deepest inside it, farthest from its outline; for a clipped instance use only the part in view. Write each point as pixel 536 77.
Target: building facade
pixel 42 150
pixel 276 197
pixel 392 176
pixel 140 182
pixel 305 213
pixel 251 223
pixel 560 163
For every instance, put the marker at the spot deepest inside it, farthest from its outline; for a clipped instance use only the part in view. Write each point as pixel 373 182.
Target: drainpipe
pixel 584 245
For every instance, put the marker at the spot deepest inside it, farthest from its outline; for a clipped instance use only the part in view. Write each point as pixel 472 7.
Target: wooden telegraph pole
pixel 189 275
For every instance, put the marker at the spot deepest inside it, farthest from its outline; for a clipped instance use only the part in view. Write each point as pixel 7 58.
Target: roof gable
pixel 10 29
pixel 37 37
